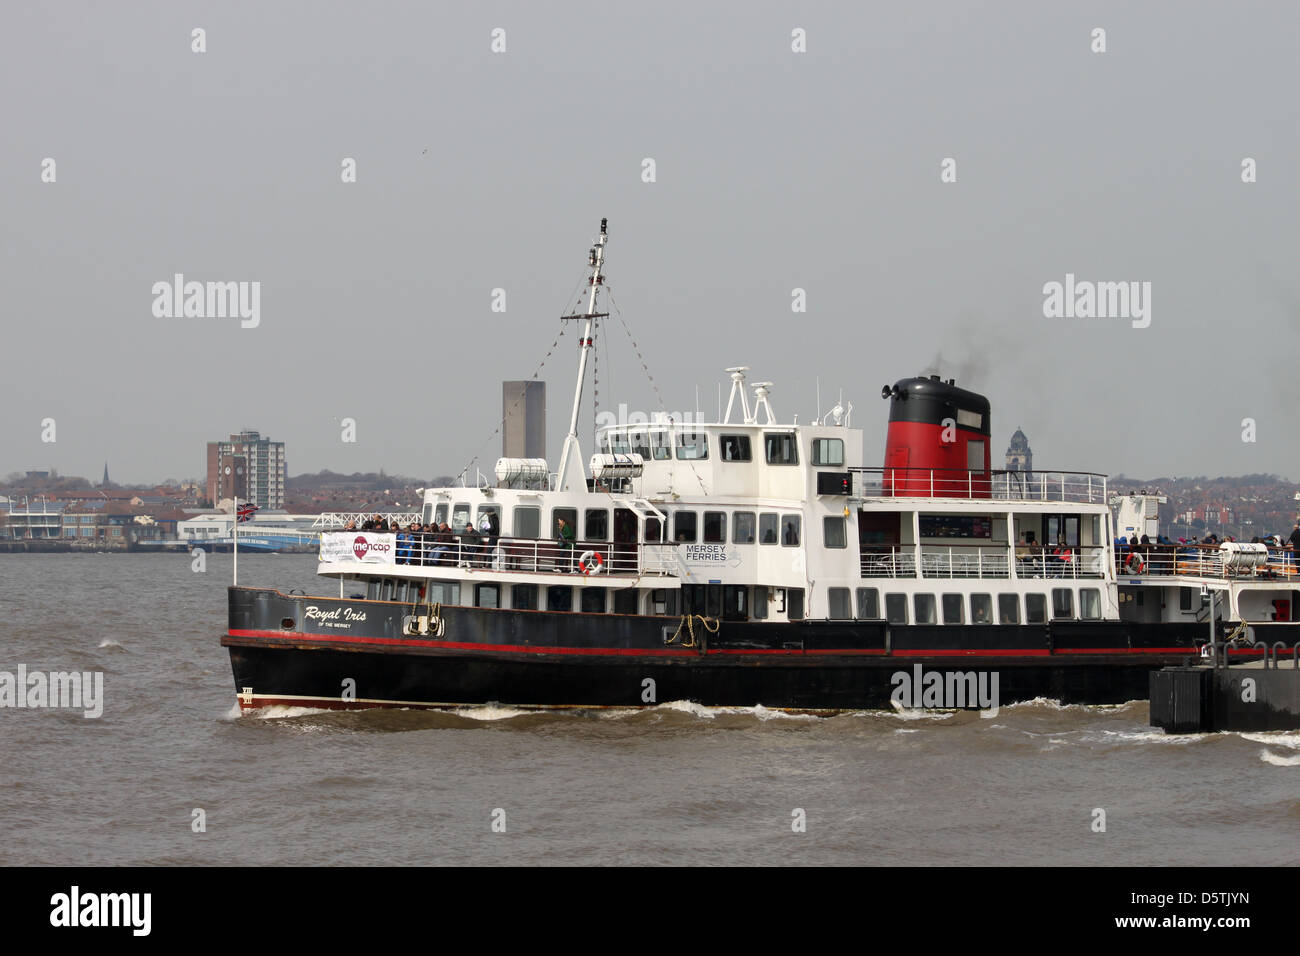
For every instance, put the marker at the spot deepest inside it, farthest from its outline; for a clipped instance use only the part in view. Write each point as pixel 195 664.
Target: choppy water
pixel 676 784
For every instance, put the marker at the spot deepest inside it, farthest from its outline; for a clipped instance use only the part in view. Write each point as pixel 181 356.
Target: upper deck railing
pixel 1147 560
pixel 1077 486
pixel 484 552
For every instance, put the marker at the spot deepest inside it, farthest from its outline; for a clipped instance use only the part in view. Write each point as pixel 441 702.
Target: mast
pixel 571 474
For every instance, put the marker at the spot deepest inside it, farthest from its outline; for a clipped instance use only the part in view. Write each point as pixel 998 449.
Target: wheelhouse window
pixel 828 451
pixel 780 448
pixel 896 608
pixel 692 446
pixel 735 448
pixel 1090 604
pixel 715 527
pixel 459 517
pixel 868 604
pixel 767 527
pixel 1035 608
pixel 527 522
pixel 661 444
pixel 440 513
pixel 790 531
pixel 654 530
pixel 981 609
pixel 1062 604
pixel 619 444
pixel 1009 608
pixel 839 604
pixel 684 526
pixel 952 609
pixel 597 525
pixel 833 531
pixel 639 439
pixel 742 530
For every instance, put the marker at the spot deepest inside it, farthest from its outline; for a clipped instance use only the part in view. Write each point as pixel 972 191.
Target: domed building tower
pixel 1019 455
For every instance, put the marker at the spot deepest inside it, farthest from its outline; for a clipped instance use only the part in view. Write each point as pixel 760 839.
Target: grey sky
pixel 775 170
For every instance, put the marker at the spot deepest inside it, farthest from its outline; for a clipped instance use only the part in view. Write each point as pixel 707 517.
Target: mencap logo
pixel 361 545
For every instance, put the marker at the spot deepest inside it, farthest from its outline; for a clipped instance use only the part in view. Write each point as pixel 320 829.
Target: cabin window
pixel 974 455
pixel 833 530
pixel 444 592
pixel 527 522
pixel 1184 599
pixel 896 608
pixel 489 509
pixel 760 604
pixel 570 516
pixel 692 446
pixel 389 588
pixel 839 604
pixel 640 442
pixel 523 597
pixel 663 601
pixel 869 604
pixel 559 597
pixel 440 513
pixel 459 517
pixel 794 604
pixel 767 525
pixel 426 513
pixel 715 527
pixel 654 530
pixel 372 589
pixel 661 445
pixel 923 608
pixel 828 451
pixel 735 448
pixel 780 448
pixel 625 601
pixel 981 608
pixel 952 609
pixel 1009 608
pixel 597 525
pixel 1090 604
pixel 1062 604
pixel 735 603
pixel 684 526
pixel 593 600
pixel 487 595
pixel 400 595
pixel 742 528
pixel 790 531
pixel 1035 608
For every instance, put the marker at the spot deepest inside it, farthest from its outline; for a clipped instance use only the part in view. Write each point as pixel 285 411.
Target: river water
pixel 675 784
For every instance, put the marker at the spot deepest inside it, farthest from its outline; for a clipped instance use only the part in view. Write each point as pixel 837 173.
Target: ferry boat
pixel 751 561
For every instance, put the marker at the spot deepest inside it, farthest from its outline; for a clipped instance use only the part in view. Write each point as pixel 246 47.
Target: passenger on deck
pixel 567 538
pixel 443 541
pixel 403 547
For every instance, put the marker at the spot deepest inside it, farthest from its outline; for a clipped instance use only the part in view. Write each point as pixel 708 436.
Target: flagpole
pixel 235 530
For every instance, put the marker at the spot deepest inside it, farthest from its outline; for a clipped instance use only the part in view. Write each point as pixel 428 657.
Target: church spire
pixel 104 483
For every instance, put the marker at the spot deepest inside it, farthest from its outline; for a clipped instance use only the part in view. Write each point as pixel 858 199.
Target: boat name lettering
pixel 313 613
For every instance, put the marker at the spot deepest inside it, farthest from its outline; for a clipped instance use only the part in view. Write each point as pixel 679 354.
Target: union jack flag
pixel 246 512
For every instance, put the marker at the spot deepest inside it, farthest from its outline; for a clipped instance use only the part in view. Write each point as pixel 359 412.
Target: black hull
pixel 352 654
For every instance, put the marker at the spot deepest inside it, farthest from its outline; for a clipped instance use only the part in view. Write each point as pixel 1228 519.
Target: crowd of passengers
pixel 440 544
pixel 1135 555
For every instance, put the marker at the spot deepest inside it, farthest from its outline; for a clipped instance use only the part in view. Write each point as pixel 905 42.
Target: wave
pixel 108 642
pixel 1278 760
